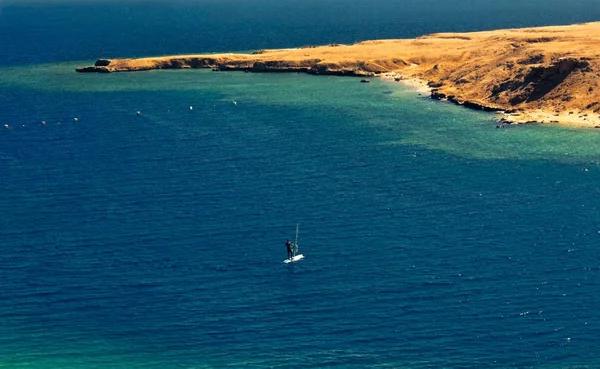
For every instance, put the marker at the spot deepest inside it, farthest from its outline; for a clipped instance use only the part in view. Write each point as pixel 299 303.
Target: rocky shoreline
pixel 225 64
pixel 546 74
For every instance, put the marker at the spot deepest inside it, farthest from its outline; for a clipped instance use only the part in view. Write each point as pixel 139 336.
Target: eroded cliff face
pixel 524 84
pixel 538 81
pixel 550 68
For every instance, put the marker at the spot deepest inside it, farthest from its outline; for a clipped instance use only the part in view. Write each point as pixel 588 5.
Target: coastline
pixel 530 75
pixel 420 86
pixel 575 119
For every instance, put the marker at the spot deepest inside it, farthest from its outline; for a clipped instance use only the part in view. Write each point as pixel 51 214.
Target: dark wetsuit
pixel 288 244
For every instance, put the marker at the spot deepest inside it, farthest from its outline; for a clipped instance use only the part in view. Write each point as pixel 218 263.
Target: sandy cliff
pixel 549 74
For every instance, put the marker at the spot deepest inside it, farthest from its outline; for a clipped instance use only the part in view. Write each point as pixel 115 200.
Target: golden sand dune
pixel 546 74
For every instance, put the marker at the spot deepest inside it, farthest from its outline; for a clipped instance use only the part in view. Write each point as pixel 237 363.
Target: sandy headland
pixel 545 74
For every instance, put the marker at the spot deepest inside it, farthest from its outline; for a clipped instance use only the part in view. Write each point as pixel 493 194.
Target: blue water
pixel 63 30
pixel 431 238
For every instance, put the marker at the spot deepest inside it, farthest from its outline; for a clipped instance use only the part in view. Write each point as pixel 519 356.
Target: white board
pixel 294 259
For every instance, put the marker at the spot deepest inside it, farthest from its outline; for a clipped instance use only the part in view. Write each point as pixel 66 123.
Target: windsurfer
pixel 288 244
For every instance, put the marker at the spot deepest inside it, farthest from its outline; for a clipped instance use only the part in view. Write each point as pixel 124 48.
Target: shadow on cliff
pixel 539 81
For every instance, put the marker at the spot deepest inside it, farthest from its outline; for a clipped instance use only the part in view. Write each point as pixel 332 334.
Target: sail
pixel 295 246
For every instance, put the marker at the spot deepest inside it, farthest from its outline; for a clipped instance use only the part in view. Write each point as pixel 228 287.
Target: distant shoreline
pixel 529 75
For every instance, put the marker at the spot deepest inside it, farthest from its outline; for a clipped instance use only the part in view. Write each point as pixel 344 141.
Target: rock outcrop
pixel 538 81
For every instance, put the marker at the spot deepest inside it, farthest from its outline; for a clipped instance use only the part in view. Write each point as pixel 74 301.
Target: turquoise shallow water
pixel 432 239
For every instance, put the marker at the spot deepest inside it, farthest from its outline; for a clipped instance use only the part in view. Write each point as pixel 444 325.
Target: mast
pixel 295 249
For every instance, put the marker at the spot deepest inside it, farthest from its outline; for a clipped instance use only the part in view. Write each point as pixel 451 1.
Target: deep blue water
pixel 80 30
pixel 431 238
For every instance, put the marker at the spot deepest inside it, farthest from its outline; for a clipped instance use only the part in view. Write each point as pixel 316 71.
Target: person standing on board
pixel 288 244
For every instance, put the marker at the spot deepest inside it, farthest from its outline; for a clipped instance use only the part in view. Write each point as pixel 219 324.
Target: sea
pixel 143 216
